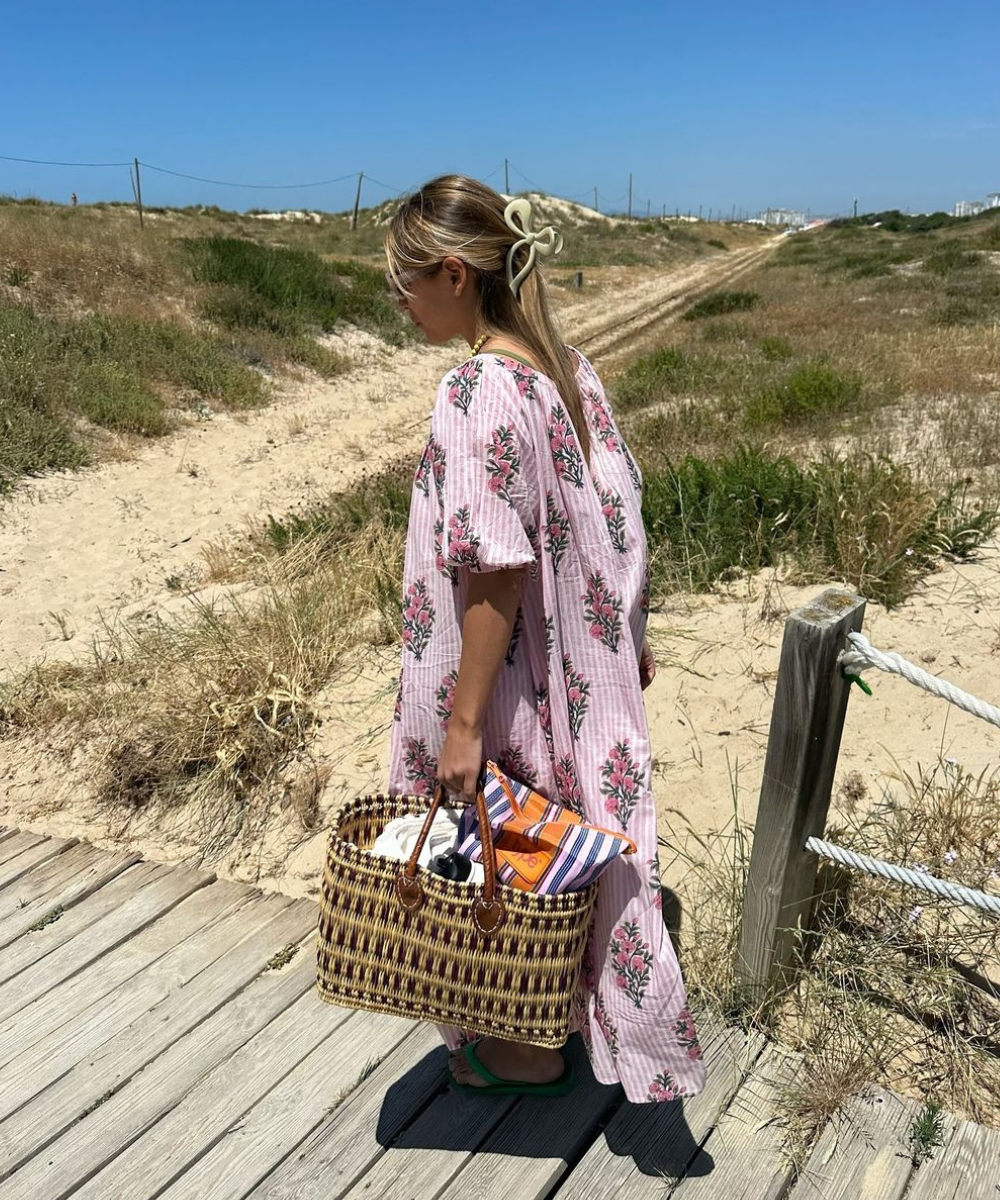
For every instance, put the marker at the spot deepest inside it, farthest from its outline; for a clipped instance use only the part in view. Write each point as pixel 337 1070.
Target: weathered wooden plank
pixel 743 1157
pixel 31 857
pixel 143 907
pixel 61 883
pixel 339 1152
pixel 6 832
pixel 160 1057
pixel 863 1154
pixel 33 947
pixel 645 1142
pixel 272 1129
pixel 193 936
pixel 967 1168
pixel 530 1149
pixel 219 1100
pixel 17 842
pixel 807 720
pixel 430 1152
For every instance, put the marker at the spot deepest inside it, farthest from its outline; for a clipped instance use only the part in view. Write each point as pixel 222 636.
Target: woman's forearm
pixel 490 611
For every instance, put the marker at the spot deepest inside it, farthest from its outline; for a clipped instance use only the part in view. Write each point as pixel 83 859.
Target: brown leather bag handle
pixel 488 911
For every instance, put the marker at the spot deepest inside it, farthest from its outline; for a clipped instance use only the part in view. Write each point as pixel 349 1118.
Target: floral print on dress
pixel 463 545
pixel 566 456
pixel 512 762
pixel 397 712
pixel 441 564
pixel 606 1025
pixel 462 385
pixel 613 511
pixel 515 638
pixel 431 466
pixel 445 698
pixel 550 634
pixel 644 596
pixel 603 610
pixel 544 711
pixel 664 1087
pixel 633 471
pixel 621 783
pixel 686 1034
pixel 556 532
pixel 577 693
pixel 523 376
pixel 502 462
pixel 567 785
pixel 418 618
pixel 602 423
pixel 631 961
pixel 421 766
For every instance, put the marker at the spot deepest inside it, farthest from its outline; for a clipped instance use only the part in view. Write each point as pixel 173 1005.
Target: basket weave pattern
pixel 433 963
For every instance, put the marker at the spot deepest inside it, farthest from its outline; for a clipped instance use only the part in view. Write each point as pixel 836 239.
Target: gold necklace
pixel 478 345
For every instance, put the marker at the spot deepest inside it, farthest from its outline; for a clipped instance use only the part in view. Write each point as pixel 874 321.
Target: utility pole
pixel 506 177
pixel 855 207
pixel 357 202
pixel 630 195
pixel 138 192
pixel 596 209
pixel 647 210
pixel 733 214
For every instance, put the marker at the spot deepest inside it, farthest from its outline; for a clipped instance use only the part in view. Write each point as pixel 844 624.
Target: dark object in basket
pixel 451 865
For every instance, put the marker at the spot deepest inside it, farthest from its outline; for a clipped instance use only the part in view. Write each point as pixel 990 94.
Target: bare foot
pixel 509 1060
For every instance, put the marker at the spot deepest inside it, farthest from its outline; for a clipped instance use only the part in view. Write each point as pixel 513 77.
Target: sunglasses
pixel 399 287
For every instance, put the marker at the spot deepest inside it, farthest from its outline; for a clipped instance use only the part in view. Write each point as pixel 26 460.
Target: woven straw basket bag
pixel 396 938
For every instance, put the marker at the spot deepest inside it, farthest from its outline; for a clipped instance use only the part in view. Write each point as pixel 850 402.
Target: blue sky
pixel 713 105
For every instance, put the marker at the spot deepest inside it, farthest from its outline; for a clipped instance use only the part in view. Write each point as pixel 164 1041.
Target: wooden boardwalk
pixel 158 1038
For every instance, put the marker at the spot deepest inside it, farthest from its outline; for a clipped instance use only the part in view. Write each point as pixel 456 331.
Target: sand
pixel 77 550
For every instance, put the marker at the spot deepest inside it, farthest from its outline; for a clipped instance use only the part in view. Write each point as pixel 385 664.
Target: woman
pixel 526 592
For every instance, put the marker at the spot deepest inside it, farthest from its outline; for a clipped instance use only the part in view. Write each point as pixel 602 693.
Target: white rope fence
pixel 927 883
pixel 860 657
pixel 863 655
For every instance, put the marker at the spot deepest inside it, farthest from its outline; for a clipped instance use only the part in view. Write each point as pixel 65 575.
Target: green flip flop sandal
pixel 509 1087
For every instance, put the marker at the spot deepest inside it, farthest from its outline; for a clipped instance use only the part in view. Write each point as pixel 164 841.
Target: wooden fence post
pixel 807 721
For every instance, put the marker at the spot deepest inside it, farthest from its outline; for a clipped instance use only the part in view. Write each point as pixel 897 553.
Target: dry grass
pixel 893 987
pixel 214 711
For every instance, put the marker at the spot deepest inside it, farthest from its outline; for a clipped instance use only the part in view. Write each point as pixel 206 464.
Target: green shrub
pixel 290 292
pixel 649 379
pixel 950 258
pixel 717 303
pixel 775 349
pixel 717 243
pixel 109 395
pixel 861 519
pixel 811 390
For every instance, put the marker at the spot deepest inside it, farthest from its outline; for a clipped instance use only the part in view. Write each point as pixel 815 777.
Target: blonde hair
pixel 454 215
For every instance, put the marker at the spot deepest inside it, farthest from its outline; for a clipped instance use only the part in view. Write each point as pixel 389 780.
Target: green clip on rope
pixel 859 681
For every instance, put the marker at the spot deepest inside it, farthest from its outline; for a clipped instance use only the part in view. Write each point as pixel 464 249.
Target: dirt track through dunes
pixel 126 538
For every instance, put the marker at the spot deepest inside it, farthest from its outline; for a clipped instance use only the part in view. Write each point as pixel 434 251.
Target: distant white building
pixel 969 208
pixel 782 216
pixel 993 200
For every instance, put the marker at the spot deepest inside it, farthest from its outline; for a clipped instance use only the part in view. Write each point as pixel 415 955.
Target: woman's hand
pixel 647 665
pixel 461 759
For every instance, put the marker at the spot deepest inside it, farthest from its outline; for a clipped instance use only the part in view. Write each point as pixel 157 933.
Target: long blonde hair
pixel 454 215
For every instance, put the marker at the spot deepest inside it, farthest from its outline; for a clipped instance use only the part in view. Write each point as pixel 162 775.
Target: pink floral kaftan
pixel 503 483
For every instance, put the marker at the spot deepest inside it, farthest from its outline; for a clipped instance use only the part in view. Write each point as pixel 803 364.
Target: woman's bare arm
pixel 490 611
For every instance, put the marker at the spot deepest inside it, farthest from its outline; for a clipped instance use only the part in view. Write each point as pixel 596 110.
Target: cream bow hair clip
pixel 546 241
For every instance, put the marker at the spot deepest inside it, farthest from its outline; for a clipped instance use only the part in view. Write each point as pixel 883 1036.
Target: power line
pixel 388 186
pixel 44 162
pixel 254 186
